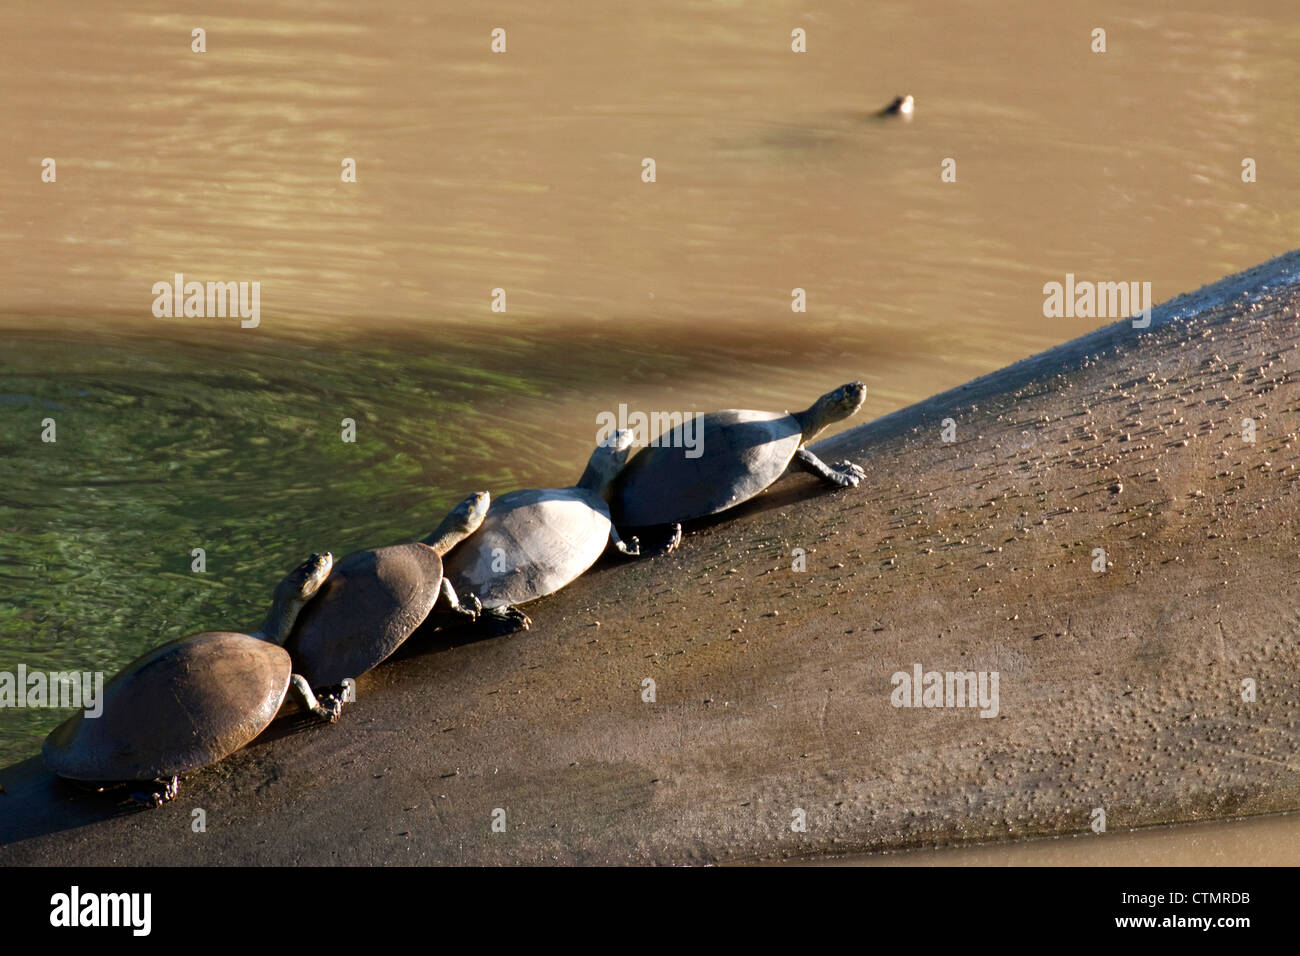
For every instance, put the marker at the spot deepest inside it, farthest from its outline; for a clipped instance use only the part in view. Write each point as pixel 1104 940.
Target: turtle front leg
pixel 674 539
pixel 632 550
pixel 165 792
pixel 842 474
pixel 663 539
pixel 328 711
pixel 504 620
pixel 471 608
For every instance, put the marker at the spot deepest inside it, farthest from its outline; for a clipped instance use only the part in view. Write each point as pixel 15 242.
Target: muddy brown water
pixel 522 171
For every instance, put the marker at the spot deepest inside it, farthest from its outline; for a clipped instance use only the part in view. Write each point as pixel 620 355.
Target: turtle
pixel 738 454
pixel 537 540
pixel 190 702
pixel 374 599
pixel 903 106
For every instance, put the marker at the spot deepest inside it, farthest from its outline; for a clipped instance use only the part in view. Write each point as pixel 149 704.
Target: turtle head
pixel 310 575
pixel 607 461
pixel 293 593
pixel 462 521
pixel 903 106
pixel 469 514
pixel 832 407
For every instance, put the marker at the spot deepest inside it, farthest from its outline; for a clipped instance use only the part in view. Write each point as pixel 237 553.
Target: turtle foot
pixel 660 540
pixel 846 474
pixel 500 621
pixel 674 540
pixel 165 792
pixel 842 474
pixel 470 606
pixel 329 707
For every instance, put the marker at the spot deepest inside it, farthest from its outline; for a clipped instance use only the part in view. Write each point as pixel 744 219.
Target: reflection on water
pixel 522 172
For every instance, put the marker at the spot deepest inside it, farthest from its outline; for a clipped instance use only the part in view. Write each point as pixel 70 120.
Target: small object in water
pixel 190 702
pixel 902 106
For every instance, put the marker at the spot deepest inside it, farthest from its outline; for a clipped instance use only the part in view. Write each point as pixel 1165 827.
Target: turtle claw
pixel 330 709
pixel 162 794
pixel 630 548
pixel 471 607
pixel 848 473
pixel 505 620
pixel 674 539
pixel 325 706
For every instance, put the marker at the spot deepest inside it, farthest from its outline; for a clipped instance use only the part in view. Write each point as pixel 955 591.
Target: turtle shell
pixel 371 602
pixel 741 453
pixel 181 706
pixel 546 538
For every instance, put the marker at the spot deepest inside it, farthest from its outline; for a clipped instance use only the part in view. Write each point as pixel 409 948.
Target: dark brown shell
pixel 743 452
pixel 367 607
pixel 179 707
